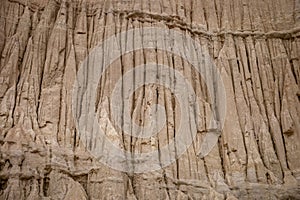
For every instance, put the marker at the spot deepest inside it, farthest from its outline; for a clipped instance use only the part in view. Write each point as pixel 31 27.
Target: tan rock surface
pixel 254 44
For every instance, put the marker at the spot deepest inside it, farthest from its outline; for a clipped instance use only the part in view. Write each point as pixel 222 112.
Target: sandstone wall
pixel 254 44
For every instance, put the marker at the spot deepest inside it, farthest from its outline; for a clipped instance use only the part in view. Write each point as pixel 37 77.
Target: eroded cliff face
pixel 254 44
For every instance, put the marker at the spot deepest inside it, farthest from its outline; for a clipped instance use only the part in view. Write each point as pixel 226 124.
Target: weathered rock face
pixel 254 44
